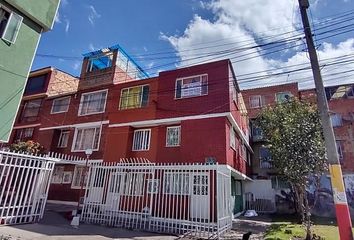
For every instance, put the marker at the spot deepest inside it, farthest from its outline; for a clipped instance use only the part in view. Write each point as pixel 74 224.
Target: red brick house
pixel 341 104
pixel 188 115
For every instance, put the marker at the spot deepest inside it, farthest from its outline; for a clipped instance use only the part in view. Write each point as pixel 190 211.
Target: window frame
pixel 261 158
pixel 57 99
pixel 87 127
pixel 149 139
pixel 179 136
pixel 169 188
pixel 261 102
pixel 12 41
pixel 284 92
pixel 58 174
pixel 62 132
pixel 81 175
pixel 89 61
pixel 201 86
pixel 232 138
pixel 88 93
pixel 338 117
pixel 141 98
pixel 339 150
pixel 22 136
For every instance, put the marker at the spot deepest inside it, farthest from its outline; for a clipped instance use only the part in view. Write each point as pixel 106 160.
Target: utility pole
pixel 342 210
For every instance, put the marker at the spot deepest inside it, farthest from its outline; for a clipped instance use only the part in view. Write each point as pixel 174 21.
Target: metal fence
pixel 24 184
pixel 183 199
pixel 260 203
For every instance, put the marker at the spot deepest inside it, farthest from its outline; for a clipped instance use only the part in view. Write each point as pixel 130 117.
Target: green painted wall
pixel 41 11
pixel 15 63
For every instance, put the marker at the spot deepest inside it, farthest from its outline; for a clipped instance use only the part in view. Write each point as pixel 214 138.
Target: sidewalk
pixel 55 227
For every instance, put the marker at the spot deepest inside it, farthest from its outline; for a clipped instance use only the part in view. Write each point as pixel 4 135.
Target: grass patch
pixel 287 227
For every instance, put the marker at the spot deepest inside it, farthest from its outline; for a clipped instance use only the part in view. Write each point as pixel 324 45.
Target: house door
pixel 114 191
pixel 200 199
pixel 238 204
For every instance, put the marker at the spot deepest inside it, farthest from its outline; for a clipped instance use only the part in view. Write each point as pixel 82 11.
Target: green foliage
pixel 295 140
pixel 30 147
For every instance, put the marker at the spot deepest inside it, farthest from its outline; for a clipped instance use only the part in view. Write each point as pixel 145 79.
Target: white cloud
pixel 91 47
pixel 67 25
pixel 93 15
pixel 76 65
pixel 57 18
pixel 239 24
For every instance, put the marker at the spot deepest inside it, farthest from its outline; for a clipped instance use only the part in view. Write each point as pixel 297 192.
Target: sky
pixel 262 38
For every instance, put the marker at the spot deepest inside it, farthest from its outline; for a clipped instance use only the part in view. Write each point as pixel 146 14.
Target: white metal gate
pixel 184 199
pixel 24 184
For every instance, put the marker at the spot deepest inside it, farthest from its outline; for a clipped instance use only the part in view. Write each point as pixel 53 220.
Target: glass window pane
pixel 12 28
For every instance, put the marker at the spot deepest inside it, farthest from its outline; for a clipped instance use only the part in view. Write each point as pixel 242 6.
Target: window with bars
pixel 256 101
pixel 134 97
pixel 176 183
pixel 58 174
pixel 63 139
pixel 133 184
pixel 10 23
pixel 86 138
pixel 80 174
pixel 60 105
pixel 92 103
pixel 141 140
pixel 173 136
pixel 191 86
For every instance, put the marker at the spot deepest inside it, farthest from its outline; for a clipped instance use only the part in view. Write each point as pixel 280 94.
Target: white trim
pixel 78 125
pixel 60 138
pixel 239 131
pixel 75 136
pixel 27 126
pixel 18 26
pixel 168 121
pixel 57 99
pixel 88 93
pixel 240 174
pixel 62 202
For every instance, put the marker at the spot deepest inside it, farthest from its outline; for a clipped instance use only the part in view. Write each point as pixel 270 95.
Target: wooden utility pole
pixel 339 196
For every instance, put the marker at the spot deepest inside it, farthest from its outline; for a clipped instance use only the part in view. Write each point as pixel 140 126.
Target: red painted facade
pixel 205 121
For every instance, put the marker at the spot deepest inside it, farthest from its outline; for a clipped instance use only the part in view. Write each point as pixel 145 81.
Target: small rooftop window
pixel 100 62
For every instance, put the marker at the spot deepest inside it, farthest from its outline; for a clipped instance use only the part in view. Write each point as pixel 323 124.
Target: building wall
pixel 269 94
pixel 43 13
pixel 216 101
pixel 14 70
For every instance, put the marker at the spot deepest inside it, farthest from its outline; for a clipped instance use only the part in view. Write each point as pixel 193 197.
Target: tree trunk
pixel 307 217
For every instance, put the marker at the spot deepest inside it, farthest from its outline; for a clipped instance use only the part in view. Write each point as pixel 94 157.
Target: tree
pixel 29 147
pixel 295 140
